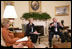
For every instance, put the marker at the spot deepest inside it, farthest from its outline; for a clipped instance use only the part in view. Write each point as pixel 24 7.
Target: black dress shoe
pixel 68 41
pixel 46 47
pixel 63 41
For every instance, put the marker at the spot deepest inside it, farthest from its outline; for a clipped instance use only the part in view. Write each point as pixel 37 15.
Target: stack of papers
pixel 23 39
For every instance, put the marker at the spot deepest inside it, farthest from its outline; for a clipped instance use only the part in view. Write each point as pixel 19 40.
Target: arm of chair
pixel 2 40
pixel 11 35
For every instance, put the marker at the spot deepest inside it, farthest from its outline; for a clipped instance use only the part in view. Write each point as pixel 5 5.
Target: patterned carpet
pixel 44 42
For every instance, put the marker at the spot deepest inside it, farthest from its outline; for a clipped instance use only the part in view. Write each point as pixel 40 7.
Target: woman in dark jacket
pixel 31 29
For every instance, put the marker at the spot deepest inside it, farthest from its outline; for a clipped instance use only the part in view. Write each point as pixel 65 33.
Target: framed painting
pixel 62 10
pixel 35 6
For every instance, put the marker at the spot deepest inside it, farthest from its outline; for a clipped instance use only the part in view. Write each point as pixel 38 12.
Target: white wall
pixel 46 6
pixel 21 8
pixel 2 9
pixel 49 7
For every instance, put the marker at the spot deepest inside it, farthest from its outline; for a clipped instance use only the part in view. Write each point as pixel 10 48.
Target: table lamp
pixel 10 12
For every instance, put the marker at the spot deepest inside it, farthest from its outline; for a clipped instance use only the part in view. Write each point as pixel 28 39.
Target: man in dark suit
pixel 54 28
pixel 31 29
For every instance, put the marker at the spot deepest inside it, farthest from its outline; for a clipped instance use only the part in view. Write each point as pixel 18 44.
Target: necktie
pixel 55 26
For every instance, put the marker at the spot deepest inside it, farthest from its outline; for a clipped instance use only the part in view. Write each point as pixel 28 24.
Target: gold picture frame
pixel 5 3
pixel 36 8
pixel 62 10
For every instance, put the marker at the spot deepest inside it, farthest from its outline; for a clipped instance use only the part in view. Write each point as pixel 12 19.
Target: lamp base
pixel 11 18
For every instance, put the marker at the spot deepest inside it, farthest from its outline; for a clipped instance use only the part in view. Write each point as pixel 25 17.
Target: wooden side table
pixel 19 34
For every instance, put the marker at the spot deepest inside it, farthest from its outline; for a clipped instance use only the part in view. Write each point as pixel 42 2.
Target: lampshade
pixel 9 12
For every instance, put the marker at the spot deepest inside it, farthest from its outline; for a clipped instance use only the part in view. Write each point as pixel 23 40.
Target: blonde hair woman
pixel 30 28
pixel 7 36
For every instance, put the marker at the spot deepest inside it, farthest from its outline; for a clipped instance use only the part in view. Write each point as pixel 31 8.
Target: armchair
pixel 3 44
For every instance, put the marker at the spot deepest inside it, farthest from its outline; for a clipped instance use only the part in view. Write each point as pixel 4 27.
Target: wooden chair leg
pixel 39 40
pixel 58 40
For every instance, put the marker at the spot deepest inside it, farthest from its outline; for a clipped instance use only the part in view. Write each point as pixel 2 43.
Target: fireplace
pixel 41 26
pixel 40 29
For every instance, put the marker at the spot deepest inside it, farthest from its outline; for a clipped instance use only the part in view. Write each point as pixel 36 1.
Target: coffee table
pixel 62 45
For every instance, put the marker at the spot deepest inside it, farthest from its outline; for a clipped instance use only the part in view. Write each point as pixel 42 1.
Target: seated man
pixel 31 29
pixel 66 33
pixel 54 28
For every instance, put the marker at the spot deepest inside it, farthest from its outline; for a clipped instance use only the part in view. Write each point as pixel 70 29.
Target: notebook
pixel 23 39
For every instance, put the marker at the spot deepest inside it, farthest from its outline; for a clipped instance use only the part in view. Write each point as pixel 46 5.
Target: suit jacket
pixel 28 29
pixel 8 37
pixel 53 27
